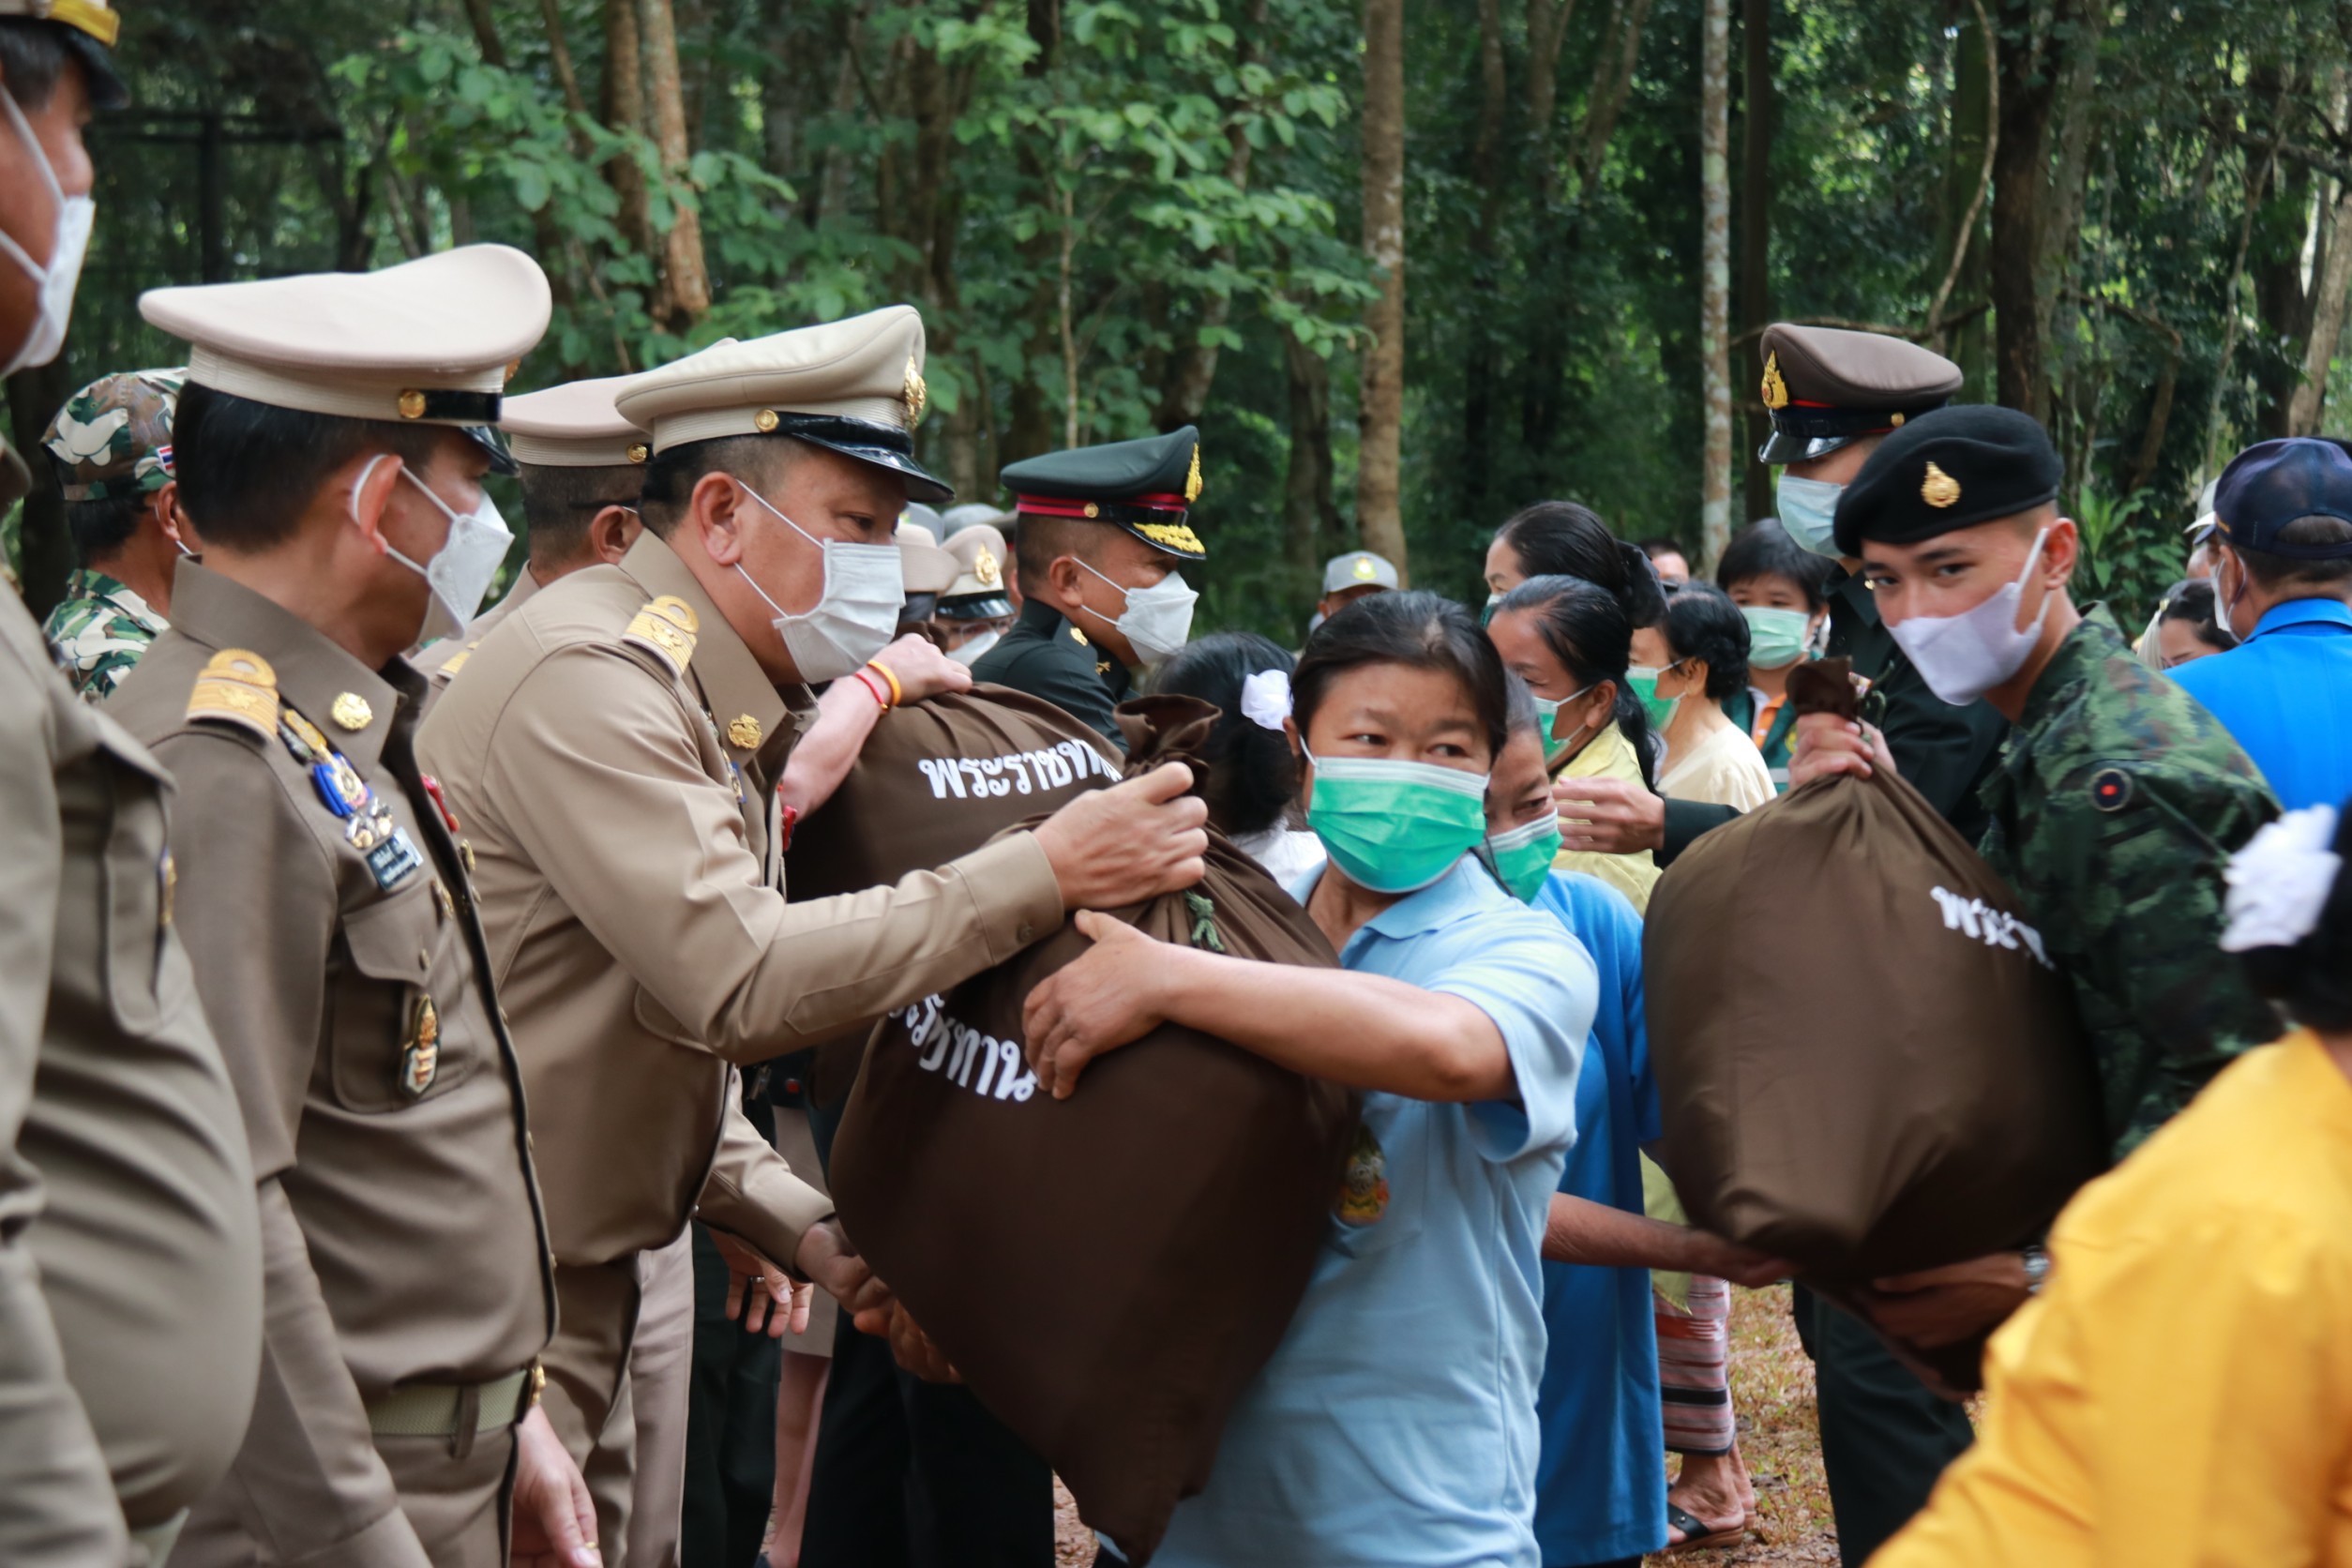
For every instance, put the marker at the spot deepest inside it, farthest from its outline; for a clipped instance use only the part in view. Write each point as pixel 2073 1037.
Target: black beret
pixel 1146 486
pixel 1951 469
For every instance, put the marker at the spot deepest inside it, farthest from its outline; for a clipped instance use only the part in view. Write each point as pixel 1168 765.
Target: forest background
pixel 1409 267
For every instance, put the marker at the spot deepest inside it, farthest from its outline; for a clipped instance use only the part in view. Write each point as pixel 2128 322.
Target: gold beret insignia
pixel 1939 489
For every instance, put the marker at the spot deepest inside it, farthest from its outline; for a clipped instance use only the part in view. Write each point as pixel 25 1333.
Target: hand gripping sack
pixel 1107 1271
pixel 1865 1062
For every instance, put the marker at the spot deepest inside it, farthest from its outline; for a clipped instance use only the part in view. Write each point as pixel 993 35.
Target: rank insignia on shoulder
pixel 420 1053
pixel 237 688
pixel 394 860
pixel 2111 790
pixel 668 625
pixel 456 661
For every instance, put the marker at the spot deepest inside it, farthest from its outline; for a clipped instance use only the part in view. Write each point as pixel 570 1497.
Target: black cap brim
pixel 922 483
pixel 1781 447
pixel 975 607
pixel 489 439
pixel 107 89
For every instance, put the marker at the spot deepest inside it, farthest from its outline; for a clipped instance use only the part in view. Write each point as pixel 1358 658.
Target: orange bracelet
pixel 897 696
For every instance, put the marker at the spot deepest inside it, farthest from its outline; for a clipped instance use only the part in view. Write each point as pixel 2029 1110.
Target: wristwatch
pixel 2037 1265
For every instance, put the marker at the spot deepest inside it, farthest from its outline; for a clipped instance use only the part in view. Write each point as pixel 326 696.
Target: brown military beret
pixel 1825 386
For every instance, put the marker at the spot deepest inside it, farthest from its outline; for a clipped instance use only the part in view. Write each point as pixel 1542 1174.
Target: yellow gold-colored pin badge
pixel 1775 389
pixel 985 568
pixel 639 452
pixel 765 421
pixel 1093 510
pixel 420 1054
pixel 412 404
pixel 1191 476
pixel 1939 489
pixel 668 625
pixel 743 733
pixel 238 687
pixel 350 711
pixel 918 394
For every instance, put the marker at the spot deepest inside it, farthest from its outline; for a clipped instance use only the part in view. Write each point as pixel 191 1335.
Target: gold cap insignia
pixel 918 395
pixel 1775 389
pixel 1939 489
pixel 1365 570
pixel 764 420
pixel 743 733
pixel 1191 476
pixel 1172 536
pixel 412 404
pixel 420 1056
pixel 350 711
pixel 668 625
pixel 985 568
pixel 239 687
pixel 638 452
pixel 1894 421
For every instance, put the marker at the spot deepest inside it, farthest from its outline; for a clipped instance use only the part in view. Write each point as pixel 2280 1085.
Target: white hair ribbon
pixel 1266 698
pixel 2279 882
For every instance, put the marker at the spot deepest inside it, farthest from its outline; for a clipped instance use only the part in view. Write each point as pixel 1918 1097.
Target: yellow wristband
pixel 898 695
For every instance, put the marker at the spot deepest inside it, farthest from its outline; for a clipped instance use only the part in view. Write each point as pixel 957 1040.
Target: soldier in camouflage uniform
pixel 112 446
pixel 2114 805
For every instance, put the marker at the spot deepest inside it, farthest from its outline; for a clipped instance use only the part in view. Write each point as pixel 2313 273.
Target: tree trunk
pixel 1967 193
pixel 1612 77
pixel 1380 514
pixel 686 284
pixel 1310 511
pixel 2019 166
pixel 1714 279
pixel 624 112
pixel 1756 226
pixel 35 396
pixel 2330 285
pixel 1032 429
pixel 1483 347
pixel 1194 369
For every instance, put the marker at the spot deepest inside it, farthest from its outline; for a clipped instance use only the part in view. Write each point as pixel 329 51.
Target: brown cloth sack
pixel 1866 1064
pixel 1107 1272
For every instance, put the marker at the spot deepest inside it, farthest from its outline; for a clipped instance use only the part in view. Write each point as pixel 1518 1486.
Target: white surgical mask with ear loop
pixel 1808 509
pixel 856 613
pixel 1157 619
pixel 1963 656
pixel 56 281
pixel 460 570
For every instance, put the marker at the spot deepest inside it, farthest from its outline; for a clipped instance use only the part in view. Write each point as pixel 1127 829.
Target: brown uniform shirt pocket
pixel 396 1034
pixel 135 904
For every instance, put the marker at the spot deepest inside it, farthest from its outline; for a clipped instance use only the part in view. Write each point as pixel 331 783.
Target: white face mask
pixel 460 570
pixel 1808 509
pixel 857 610
pixel 56 281
pixel 1963 656
pixel 972 650
pixel 1158 620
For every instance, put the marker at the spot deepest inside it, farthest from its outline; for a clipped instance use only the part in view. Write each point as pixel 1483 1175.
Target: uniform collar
pixel 2078 657
pixel 317 676
pixel 2303 612
pixel 1855 590
pixel 733 684
pixel 1041 617
pixel 519 593
pixel 1460 892
pixel 89 582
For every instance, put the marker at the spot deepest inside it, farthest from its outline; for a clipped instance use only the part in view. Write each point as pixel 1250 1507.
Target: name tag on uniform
pixel 394 860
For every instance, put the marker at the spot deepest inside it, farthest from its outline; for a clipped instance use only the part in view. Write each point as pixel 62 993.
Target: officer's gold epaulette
pixel 668 625
pixel 237 688
pixel 456 661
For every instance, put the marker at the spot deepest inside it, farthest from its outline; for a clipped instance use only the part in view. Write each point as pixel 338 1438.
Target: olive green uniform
pixel 1045 656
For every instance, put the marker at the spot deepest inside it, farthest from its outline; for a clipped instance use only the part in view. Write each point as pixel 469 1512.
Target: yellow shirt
pixel 1610 755
pixel 2180 1395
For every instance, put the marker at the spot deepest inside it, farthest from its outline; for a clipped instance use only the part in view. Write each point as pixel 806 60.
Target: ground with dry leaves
pixel 1772 1388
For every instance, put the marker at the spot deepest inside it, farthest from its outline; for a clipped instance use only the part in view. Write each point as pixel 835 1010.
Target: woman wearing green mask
pixel 1570 642
pixel 1395 1425
pixel 1685 671
pixel 1782 588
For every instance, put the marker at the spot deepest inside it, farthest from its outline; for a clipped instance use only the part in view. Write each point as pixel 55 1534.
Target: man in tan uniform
pixel 129 1252
pixel 579 464
pixel 614 751
pixel 331 432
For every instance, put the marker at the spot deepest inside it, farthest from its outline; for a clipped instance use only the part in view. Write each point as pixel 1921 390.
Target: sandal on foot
pixel 1698 1534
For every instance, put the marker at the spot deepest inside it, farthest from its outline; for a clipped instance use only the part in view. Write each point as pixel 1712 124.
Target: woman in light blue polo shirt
pixel 1395 1423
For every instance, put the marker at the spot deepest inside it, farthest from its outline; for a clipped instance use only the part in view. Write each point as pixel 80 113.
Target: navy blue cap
pixel 2273 483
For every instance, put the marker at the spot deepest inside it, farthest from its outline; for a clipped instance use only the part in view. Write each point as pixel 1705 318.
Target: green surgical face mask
pixel 1487 616
pixel 1395 827
pixel 1522 858
pixel 1548 713
pixel 1644 680
pixel 1776 638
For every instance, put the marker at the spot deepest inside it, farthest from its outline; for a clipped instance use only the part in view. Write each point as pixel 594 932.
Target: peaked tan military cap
pixel 924 567
pixel 978 591
pixel 854 386
pixel 573 426
pixel 430 341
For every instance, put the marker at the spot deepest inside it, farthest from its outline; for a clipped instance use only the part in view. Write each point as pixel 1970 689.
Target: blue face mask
pixel 1808 509
pixel 1392 826
pixel 1522 858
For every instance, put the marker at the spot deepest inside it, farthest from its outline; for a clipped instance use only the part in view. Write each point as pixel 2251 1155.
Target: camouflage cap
pixel 113 437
